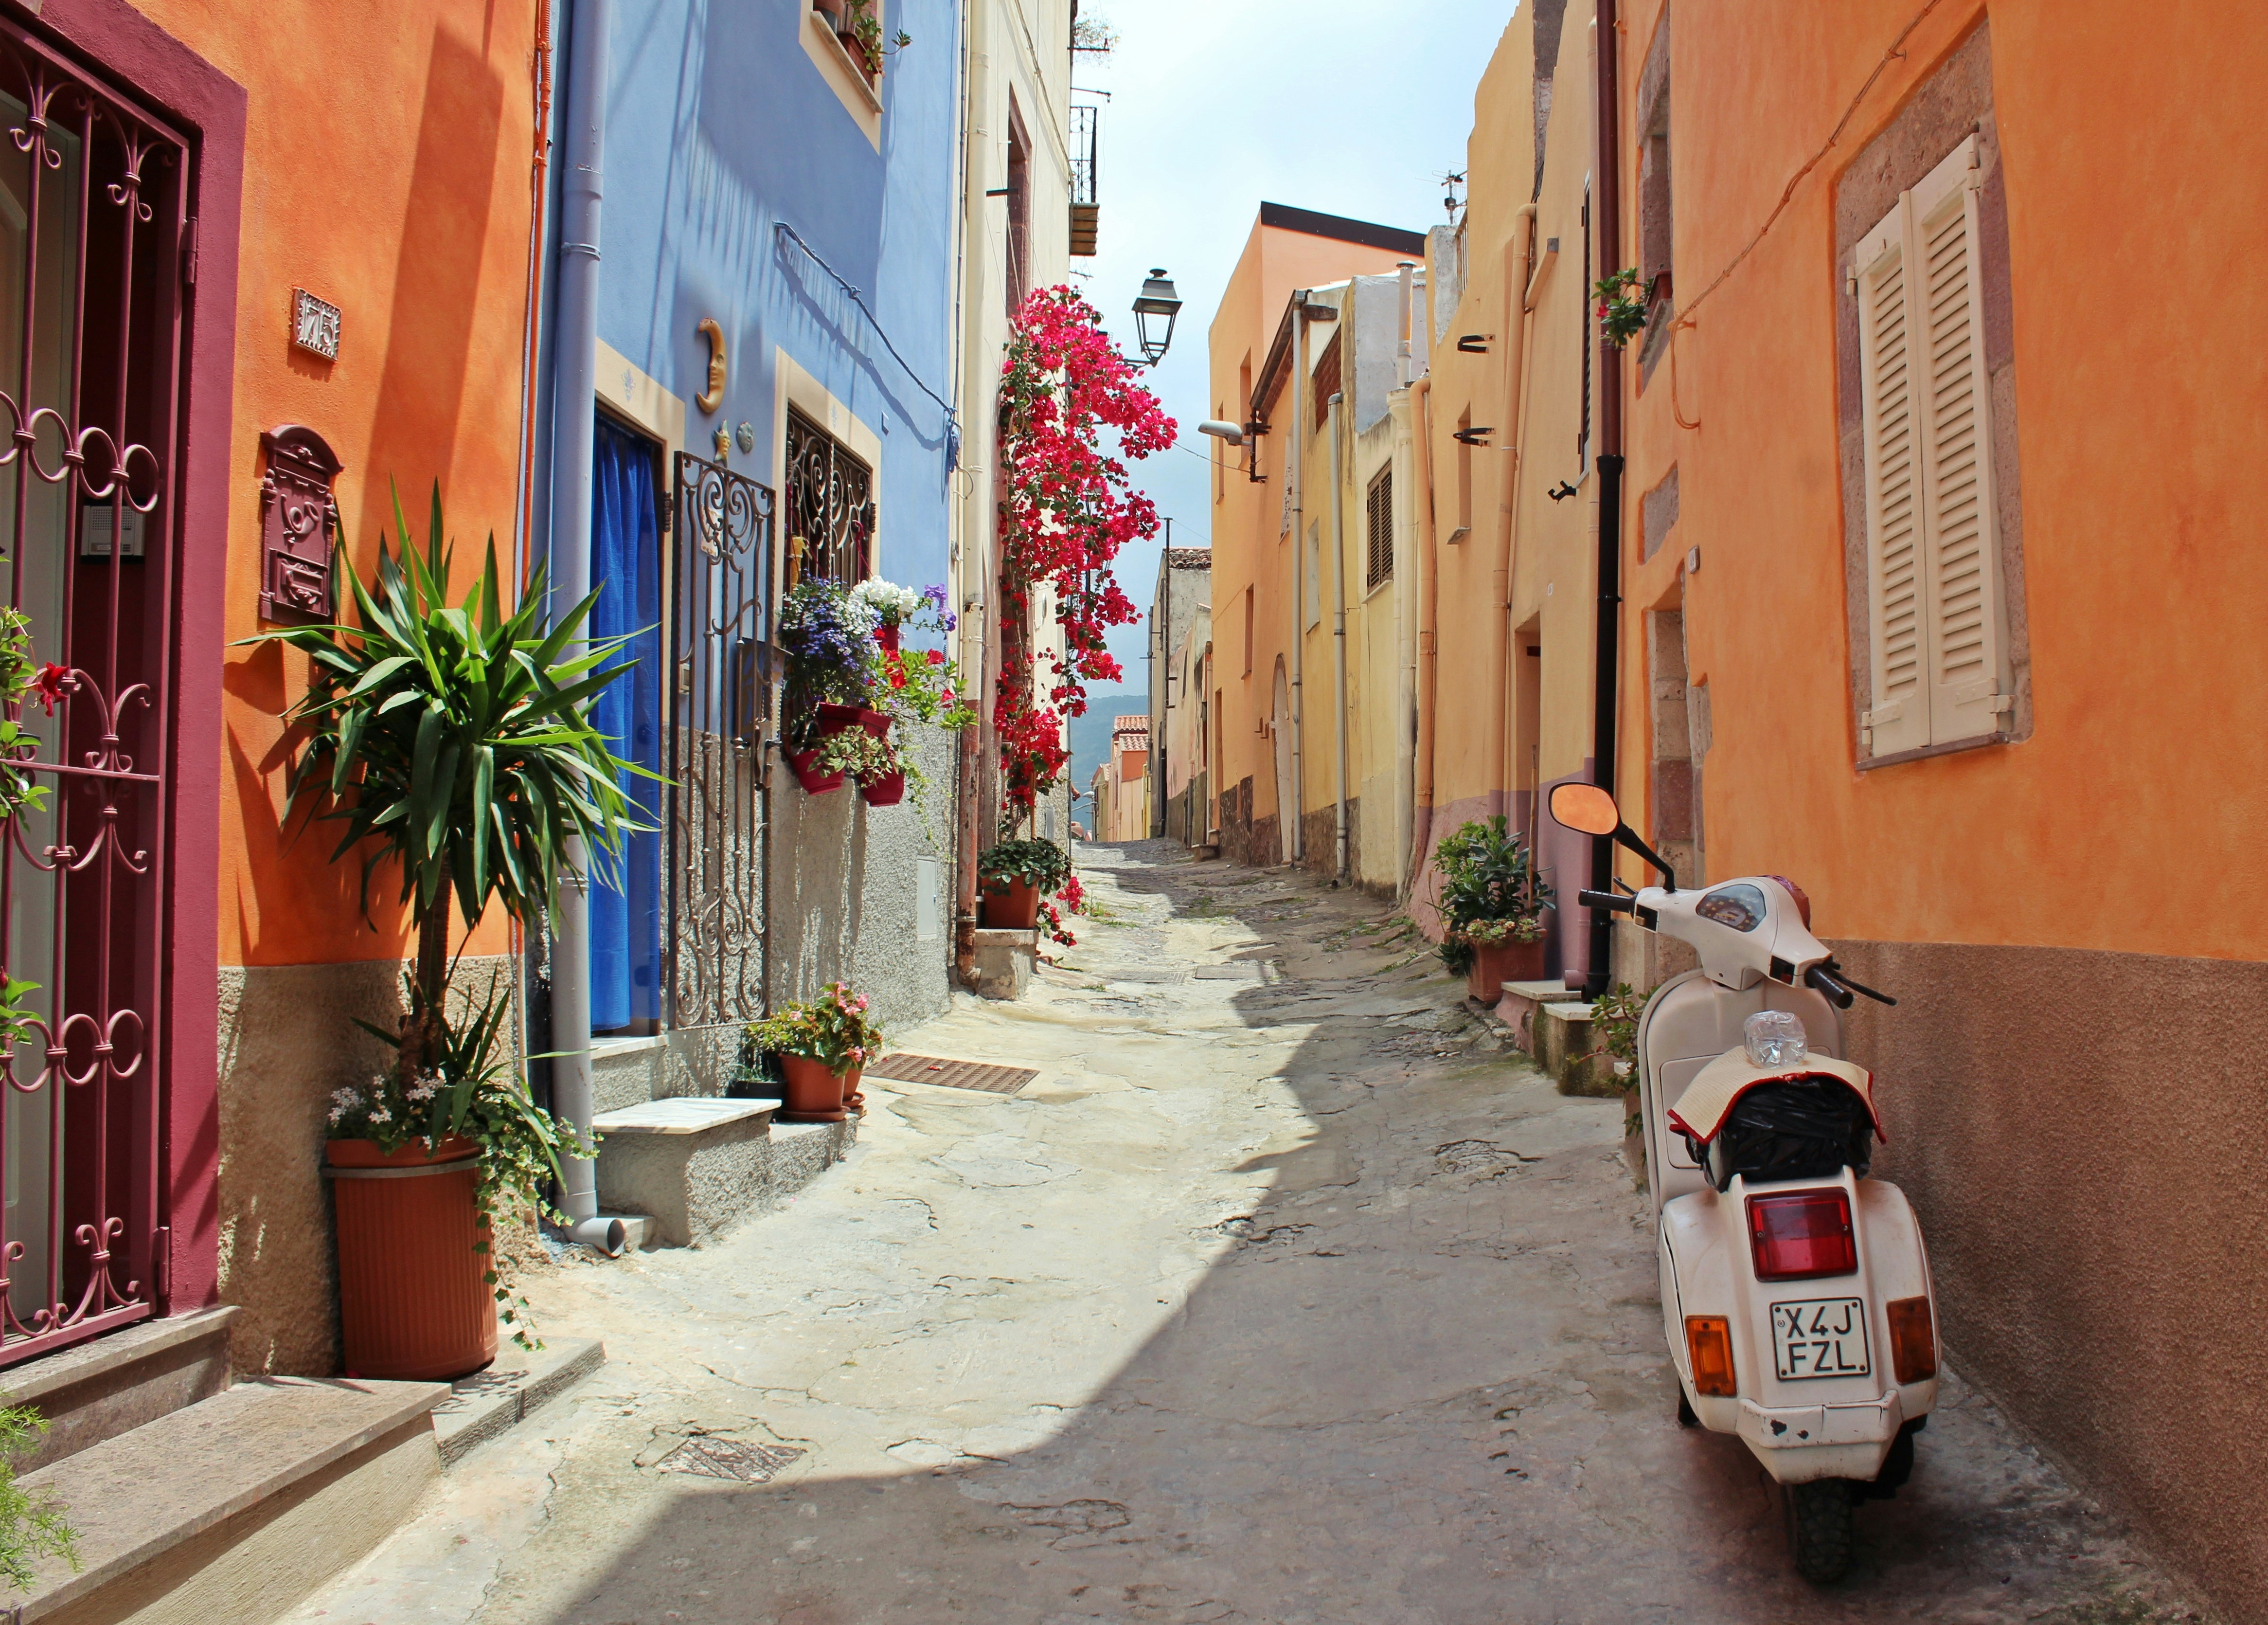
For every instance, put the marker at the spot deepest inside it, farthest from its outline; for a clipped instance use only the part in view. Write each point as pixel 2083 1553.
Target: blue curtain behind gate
pixel 626 568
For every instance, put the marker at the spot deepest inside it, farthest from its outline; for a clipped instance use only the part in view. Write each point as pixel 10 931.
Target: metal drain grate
pixel 732 1459
pixel 993 1080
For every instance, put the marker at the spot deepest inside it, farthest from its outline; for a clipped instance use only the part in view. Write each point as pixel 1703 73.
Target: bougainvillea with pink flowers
pixel 1066 509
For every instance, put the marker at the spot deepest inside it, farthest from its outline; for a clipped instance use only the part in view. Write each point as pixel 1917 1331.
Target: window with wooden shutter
pixel 1377 515
pixel 1936 615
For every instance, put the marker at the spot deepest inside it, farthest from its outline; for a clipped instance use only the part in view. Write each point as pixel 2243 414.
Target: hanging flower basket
pixel 813 782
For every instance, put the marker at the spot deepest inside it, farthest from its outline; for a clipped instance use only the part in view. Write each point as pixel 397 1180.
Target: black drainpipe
pixel 1609 197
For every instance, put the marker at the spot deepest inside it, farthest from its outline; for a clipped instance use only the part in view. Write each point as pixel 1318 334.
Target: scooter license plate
pixel 1820 1337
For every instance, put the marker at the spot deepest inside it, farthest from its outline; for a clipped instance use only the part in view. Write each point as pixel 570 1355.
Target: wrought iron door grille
pixel 721 708
pixel 91 261
pixel 830 503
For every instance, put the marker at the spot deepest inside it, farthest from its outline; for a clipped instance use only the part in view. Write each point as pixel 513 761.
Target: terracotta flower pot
pixel 854 1098
pixel 813 782
pixel 888 791
pixel 815 1095
pixel 413 1305
pixel 1011 906
pixel 1495 963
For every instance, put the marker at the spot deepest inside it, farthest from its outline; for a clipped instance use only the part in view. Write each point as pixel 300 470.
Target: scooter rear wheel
pixel 1819 1528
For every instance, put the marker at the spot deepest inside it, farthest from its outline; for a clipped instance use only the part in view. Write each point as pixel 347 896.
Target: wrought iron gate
pixel 721 709
pixel 94 248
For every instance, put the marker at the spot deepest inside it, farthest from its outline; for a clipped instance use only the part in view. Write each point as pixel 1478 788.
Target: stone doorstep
pixel 1517 1006
pixel 693 1165
pixel 136 1497
pixel 1006 962
pixel 490 1403
pixel 113 1383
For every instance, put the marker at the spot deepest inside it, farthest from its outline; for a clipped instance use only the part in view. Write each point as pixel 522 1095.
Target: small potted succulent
pixel 873 760
pixel 821 1046
pixel 1015 875
pixel 1491 901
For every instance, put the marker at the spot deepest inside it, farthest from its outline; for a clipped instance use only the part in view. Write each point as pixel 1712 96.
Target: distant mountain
pixel 1090 735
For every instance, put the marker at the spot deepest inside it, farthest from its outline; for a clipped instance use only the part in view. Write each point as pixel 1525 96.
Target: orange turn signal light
pixel 1913 1340
pixel 1709 1339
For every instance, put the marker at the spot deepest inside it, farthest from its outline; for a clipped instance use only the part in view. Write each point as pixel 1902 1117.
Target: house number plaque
pixel 298 519
pixel 314 324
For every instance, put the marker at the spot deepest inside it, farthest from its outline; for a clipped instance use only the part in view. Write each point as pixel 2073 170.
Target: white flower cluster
pixel 346 1100
pixel 424 1089
pixel 886 601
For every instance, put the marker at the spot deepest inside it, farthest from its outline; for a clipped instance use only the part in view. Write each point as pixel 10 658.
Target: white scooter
pixel 1795 1291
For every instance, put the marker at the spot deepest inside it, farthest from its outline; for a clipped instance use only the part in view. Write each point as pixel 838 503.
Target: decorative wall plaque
pixel 298 519
pixel 314 324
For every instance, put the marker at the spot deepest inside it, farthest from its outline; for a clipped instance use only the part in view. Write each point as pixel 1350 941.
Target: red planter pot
pixel 1011 906
pixel 814 783
pixel 1495 963
pixel 888 637
pixel 835 719
pixel 854 1098
pixel 815 1095
pixel 887 791
pixel 413 1305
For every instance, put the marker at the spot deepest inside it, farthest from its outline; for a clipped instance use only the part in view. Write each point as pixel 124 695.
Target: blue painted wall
pixel 718 127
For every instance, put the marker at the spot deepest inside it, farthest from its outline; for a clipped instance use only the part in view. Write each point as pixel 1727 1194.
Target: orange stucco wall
pixel 1246 517
pixel 2127 821
pixel 387 170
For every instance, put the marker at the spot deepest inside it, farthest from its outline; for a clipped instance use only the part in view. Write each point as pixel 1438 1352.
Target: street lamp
pixel 1157 304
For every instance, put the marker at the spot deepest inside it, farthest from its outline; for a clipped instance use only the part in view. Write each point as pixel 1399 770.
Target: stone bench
pixel 694 1165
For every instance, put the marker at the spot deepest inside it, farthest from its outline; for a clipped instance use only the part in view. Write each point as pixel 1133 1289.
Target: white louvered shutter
pixel 1967 640
pixel 1897 714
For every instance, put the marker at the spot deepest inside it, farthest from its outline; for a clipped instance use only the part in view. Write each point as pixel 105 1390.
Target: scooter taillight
pixel 1807 1233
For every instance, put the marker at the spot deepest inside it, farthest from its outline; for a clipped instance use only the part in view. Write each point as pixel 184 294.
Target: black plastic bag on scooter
pixel 1802 1128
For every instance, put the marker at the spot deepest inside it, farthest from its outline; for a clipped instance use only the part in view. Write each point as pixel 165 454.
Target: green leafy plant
pixel 32 1524
pixel 1487 875
pixel 855 751
pixel 1038 862
pixel 454 739
pixel 1614 1022
pixel 833 1030
pixel 472 1091
pixel 1495 931
pixel 1622 306
pixel 867 29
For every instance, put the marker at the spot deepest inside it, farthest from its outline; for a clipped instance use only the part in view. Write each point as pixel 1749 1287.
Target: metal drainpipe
pixel 1294 845
pixel 1609 120
pixel 1338 641
pixel 573 410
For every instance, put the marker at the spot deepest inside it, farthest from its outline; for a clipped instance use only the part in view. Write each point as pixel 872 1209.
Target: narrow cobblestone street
pixel 1285 1293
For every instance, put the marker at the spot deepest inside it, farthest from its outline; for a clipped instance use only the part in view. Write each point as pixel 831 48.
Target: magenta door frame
pixel 113 40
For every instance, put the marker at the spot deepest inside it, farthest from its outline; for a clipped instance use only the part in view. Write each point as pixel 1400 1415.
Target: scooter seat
pixel 1717 1087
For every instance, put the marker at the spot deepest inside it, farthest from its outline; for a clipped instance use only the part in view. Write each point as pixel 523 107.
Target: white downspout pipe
pixel 575 394
pixel 1338 638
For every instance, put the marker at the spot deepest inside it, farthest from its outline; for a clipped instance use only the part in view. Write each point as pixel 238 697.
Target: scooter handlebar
pixel 1819 976
pixel 1613 900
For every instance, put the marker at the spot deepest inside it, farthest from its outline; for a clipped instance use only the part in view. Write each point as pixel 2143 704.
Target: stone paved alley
pixel 1284 1294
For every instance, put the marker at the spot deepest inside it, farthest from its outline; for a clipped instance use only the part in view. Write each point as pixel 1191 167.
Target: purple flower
pixel 951 620
pixel 935 596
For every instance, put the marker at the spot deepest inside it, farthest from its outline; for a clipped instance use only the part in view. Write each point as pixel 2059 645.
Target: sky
pixel 1352 107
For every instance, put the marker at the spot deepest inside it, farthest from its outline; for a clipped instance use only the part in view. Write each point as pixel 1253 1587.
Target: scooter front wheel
pixel 1819 1528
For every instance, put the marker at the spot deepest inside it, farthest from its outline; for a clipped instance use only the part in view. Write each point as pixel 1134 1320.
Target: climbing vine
pixel 1066 509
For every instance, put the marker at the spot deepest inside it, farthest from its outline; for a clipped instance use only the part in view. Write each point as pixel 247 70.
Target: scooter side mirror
pixel 1585 809
pixel 1588 810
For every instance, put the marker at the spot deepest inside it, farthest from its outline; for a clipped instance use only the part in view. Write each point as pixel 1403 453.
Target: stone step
pixel 114 1384
pixel 1006 962
pixel 488 1404
pixel 1519 1004
pixel 236 1507
pixel 695 1165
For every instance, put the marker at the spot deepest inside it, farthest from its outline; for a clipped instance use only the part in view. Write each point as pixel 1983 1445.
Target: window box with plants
pixel 1491 903
pixel 819 1049
pixel 452 743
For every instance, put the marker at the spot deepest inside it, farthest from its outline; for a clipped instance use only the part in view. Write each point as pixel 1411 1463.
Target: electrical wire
pixel 952 417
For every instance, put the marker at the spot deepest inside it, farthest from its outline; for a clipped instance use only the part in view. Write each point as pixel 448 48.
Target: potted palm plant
pixel 1491 901
pixel 451 742
pixel 820 1046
